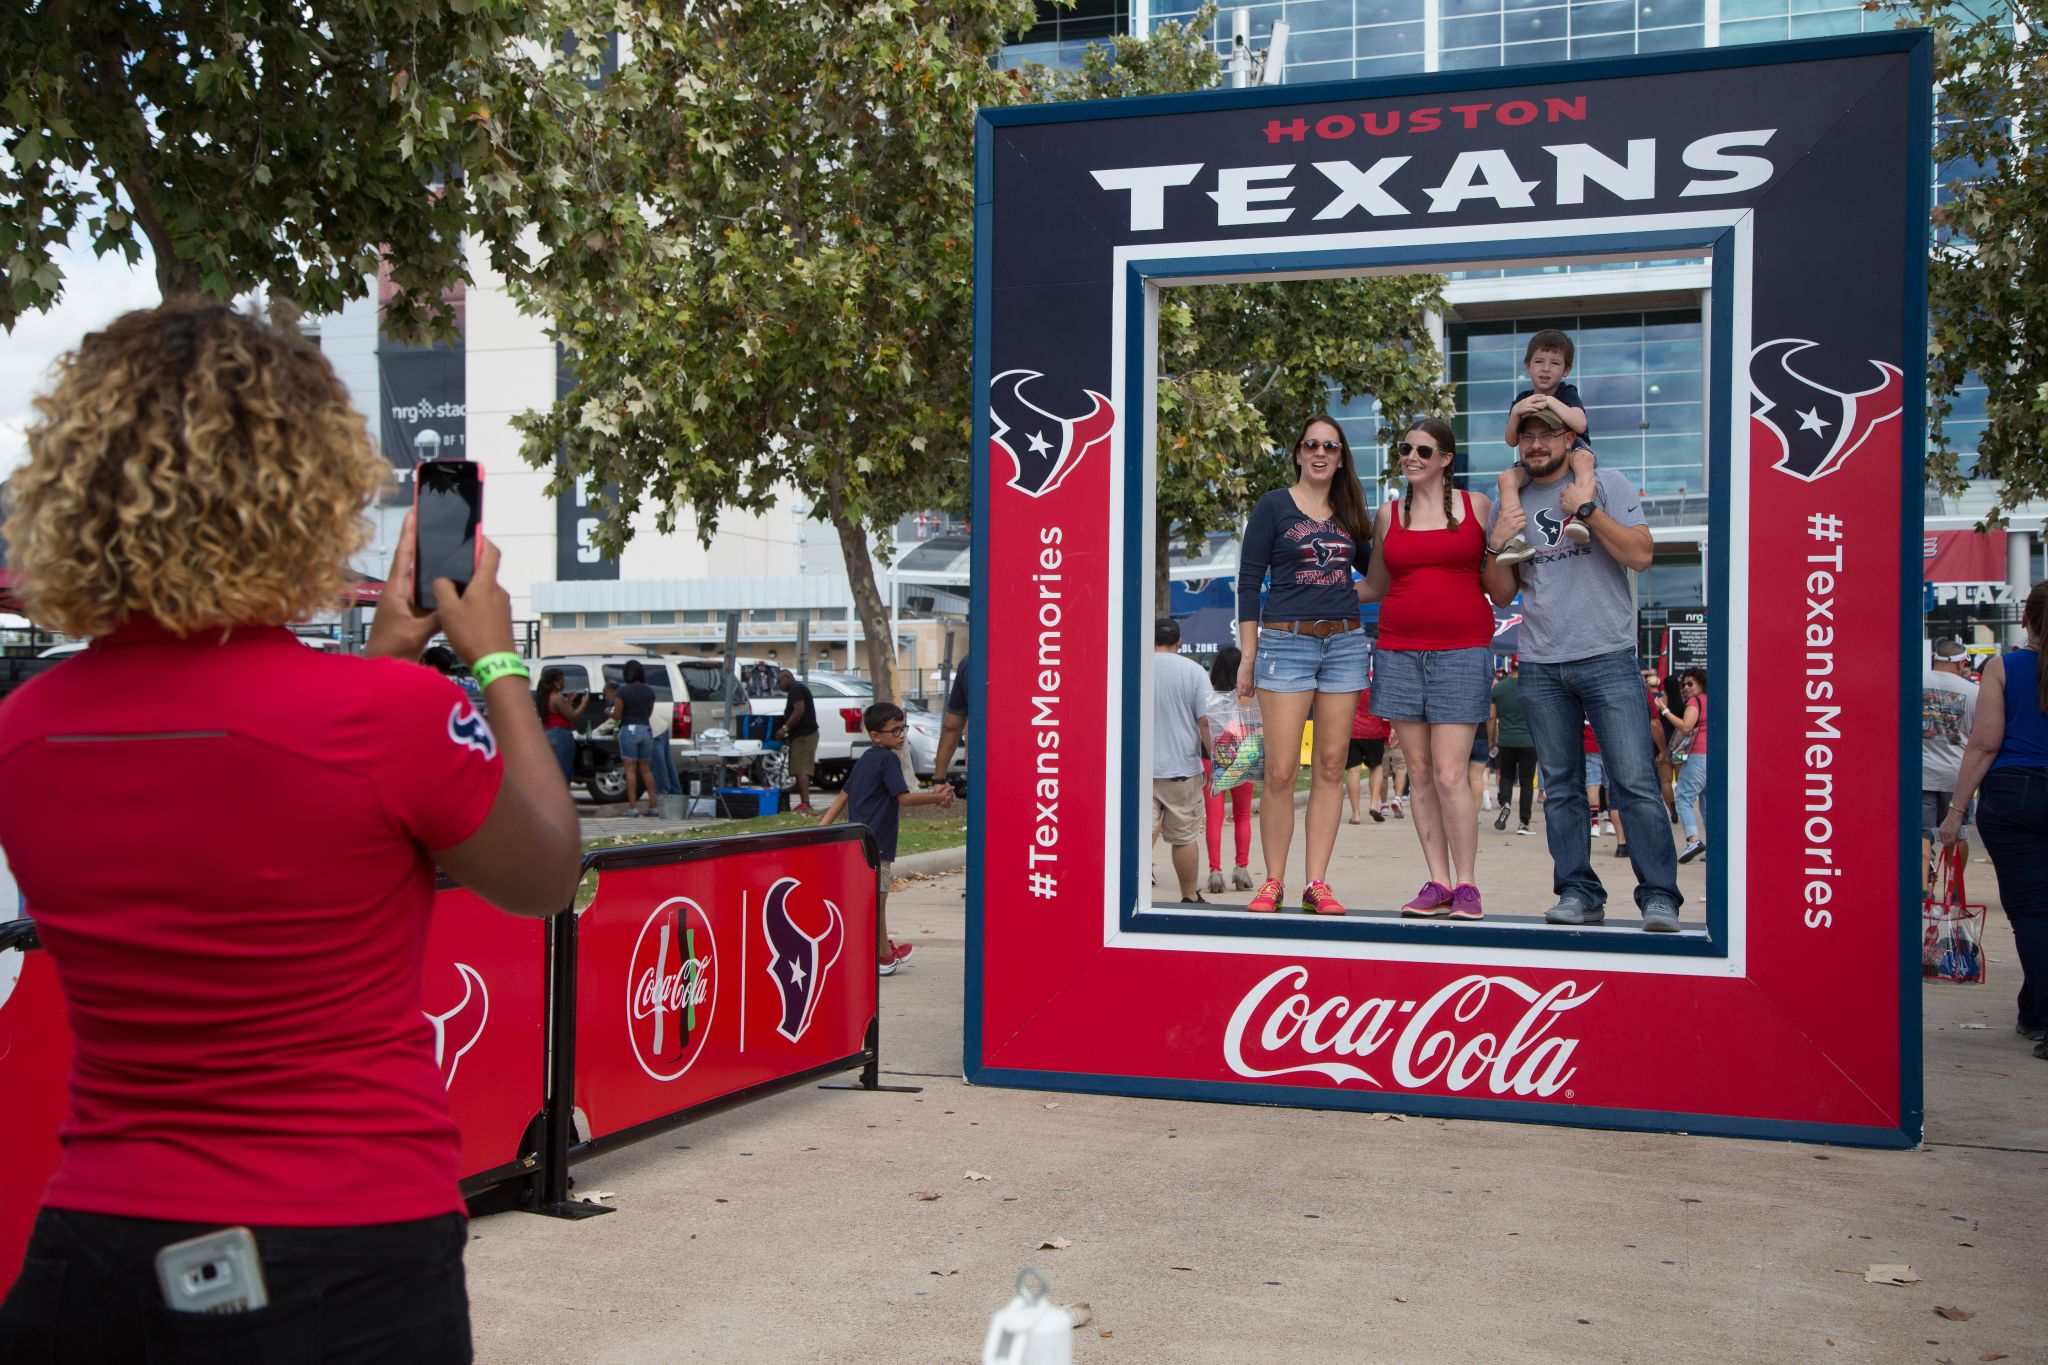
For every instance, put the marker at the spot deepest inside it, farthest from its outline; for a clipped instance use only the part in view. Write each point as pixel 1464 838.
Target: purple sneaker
pixel 1432 900
pixel 1465 902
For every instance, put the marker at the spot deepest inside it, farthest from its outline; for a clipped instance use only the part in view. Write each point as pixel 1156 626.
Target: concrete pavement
pixel 791 1229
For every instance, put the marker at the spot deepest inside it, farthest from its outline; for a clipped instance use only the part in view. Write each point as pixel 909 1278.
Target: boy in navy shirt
pixel 1547 360
pixel 872 795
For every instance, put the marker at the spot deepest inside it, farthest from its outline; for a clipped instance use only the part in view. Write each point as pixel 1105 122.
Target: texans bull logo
pixel 1551 525
pixel 798 961
pixel 457 1031
pixel 1043 448
pixel 1816 428
pixel 470 730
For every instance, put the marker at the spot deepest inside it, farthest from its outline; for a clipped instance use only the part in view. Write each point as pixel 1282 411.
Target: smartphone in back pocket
pixel 219 1272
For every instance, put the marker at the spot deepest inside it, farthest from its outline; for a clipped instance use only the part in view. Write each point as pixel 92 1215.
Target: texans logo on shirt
pixel 467 728
pixel 798 962
pixel 1552 527
pixel 1043 448
pixel 1331 552
pixel 1816 428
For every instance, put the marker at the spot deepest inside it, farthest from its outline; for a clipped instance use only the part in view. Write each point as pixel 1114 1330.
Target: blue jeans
pixel 1690 789
pixel 1558 700
pixel 2012 820
pixel 563 742
pixel 666 780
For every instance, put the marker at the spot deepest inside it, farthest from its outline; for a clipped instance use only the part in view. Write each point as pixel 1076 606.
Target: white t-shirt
pixel 1948 708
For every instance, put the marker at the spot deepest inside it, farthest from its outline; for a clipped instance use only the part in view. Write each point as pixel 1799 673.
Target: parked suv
pixel 689 698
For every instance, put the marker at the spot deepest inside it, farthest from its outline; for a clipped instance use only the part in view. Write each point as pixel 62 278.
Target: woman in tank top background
pixel 2006 767
pixel 1433 670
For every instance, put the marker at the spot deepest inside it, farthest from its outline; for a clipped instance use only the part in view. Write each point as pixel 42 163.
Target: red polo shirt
pixel 223 841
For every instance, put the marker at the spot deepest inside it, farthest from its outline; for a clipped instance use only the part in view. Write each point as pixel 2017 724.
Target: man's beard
pixel 1536 470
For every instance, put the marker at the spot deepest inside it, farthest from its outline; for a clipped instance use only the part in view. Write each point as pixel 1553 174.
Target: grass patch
pixel 916 833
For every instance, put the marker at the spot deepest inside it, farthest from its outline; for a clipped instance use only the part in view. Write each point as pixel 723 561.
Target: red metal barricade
pixel 485 995
pixel 35 1055
pixel 708 973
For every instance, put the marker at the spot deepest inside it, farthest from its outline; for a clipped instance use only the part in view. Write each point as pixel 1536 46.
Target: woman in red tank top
pixel 1433 670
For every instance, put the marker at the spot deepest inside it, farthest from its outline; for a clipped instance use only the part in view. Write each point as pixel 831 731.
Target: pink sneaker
pixel 1465 902
pixel 1432 900
pixel 900 952
pixel 1318 897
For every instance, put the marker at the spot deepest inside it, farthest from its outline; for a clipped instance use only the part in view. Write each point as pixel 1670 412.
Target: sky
pixel 96 291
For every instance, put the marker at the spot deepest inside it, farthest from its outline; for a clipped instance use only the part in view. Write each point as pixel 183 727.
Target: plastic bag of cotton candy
pixel 1236 742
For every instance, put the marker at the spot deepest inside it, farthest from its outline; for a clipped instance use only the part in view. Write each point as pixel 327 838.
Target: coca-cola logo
pixel 671 988
pixel 1495 1031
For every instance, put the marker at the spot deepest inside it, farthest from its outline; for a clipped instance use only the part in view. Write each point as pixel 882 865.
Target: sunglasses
pixel 894 730
pixel 1312 446
pixel 1416 448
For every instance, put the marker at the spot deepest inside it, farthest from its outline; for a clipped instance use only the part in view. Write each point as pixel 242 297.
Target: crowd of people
pixel 1575 709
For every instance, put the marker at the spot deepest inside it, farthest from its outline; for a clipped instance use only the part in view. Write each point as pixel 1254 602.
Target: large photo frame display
pixel 1800 172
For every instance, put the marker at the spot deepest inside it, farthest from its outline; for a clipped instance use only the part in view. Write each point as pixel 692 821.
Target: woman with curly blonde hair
pixel 244 978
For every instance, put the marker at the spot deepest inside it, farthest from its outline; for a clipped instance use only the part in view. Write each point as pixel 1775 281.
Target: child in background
pixel 872 795
pixel 1397 778
pixel 1547 360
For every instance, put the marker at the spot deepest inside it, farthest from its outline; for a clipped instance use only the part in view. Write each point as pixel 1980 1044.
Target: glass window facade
pixel 1061 35
pixel 1639 374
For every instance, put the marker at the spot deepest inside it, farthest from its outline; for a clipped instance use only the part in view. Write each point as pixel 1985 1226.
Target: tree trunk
pixel 867 598
pixel 1162 566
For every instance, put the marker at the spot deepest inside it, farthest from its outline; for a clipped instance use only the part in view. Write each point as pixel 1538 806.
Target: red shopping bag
pixel 1951 929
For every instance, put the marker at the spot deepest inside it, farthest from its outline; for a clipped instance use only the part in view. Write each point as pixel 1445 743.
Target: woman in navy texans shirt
pixel 1304 653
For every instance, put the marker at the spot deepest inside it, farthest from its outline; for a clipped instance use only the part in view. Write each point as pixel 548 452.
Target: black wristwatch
pixel 1585 510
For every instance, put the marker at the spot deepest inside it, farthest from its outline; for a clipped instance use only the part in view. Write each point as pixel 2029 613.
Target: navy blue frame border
pixel 1917 46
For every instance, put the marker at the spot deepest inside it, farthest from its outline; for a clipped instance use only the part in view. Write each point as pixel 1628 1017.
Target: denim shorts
pixel 1438 686
pixel 636 744
pixel 1303 663
pixel 1596 771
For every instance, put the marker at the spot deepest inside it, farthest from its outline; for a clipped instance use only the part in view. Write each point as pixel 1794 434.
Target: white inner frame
pixel 1731 693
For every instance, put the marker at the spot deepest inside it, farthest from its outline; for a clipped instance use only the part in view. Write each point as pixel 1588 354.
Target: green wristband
pixel 492 667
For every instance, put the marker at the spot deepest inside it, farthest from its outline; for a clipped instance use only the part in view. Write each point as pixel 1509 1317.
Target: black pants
pixel 2012 820
pixel 388 1292
pixel 1517 764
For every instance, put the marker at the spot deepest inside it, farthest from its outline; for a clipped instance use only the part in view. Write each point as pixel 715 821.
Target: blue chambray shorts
pixel 1596 771
pixel 636 744
pixel 1437 686
pixel 1287 662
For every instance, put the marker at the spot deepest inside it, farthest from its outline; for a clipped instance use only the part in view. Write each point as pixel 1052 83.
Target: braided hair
pixel 1447 442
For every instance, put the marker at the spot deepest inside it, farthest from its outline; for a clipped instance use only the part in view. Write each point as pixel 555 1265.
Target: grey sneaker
pixel 1577 532
pixel 1569 911
pixel 1515 551
pixel 1659 918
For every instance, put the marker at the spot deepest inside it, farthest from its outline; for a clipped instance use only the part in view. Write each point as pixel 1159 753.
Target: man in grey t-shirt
pixel 1578 665
pixel 1180 736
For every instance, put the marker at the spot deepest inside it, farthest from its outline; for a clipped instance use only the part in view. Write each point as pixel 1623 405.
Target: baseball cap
pixel 1948 649
pixel 1549 419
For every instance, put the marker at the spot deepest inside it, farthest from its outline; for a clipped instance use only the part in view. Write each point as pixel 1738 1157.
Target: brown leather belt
pixel 1322 630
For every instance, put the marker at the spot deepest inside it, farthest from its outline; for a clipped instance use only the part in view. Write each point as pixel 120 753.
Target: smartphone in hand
pixel 448 506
